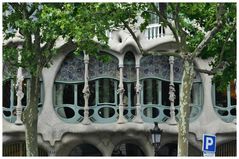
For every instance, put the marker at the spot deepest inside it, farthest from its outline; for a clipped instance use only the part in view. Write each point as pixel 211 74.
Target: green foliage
pixel 86 25
pixel 229 59
pixel 41 24
pixel 196 19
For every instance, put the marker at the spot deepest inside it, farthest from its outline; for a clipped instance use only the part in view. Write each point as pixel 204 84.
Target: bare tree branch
pixel 209 72
pixel 134 37
pixel 211 34
pixel 37 40
pixel 48 45
pixel 220 68
pixel 164 19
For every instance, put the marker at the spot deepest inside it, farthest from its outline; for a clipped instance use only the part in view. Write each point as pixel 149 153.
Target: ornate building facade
pixel 88 107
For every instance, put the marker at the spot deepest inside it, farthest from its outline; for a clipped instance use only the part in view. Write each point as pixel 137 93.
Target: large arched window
pixel 9 94
pixel 154 76
pixel 104 78
pixel 69 83
pixel 103 82
pixel 225 102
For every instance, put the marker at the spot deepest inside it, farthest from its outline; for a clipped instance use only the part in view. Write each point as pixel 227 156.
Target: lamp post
pixel 156 138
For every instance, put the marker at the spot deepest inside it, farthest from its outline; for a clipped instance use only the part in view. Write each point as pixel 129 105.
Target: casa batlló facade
pixel 88 107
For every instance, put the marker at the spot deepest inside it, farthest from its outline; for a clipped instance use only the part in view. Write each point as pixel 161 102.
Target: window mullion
pixel 142 92
pixel 75 94
pixel 228 95
pixel 159 89
pixel 129 95
pixel 12 95
pixel 97 92
pixel 213 94
pixel 115 92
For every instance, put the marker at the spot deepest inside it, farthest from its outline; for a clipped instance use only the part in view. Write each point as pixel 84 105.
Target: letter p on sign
pixel 209 143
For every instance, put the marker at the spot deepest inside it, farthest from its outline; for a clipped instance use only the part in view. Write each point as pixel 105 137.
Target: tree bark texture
pixel 30 118
pixel 184 112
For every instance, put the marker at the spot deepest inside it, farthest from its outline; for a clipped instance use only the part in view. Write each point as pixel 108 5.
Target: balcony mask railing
pixel 154 31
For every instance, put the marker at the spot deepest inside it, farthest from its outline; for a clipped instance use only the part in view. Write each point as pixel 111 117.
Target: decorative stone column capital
pixel 121 66
pixel 120 90
pixel 86 58
pixel 138 88
pixel 171 60
pixel 171 93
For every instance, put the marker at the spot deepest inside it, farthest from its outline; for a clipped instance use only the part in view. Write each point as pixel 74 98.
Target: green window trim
pixel 9 110
pixel 225 112
pixel 159 112
pixel 100 111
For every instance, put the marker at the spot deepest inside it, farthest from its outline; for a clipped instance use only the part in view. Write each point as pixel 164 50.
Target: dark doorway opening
pixel 19 149
pixel 168 150
pixel 85 150
pixel 127 149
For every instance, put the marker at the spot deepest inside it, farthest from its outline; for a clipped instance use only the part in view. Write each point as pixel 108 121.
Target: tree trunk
pixel 30 117
pixel 183 124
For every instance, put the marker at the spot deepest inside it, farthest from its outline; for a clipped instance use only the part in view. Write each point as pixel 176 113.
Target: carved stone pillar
pixel 86 92
pixel 138 87
pixel 19 92
pixel 121 90
pixel 171 120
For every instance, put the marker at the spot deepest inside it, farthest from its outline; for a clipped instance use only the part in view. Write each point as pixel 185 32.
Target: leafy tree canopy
pixel 41 24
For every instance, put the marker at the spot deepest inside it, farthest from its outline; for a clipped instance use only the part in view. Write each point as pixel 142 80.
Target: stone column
pixel 138 87
pixel 19 92
pixel 86 92
pixel 171 93
pixel 121 90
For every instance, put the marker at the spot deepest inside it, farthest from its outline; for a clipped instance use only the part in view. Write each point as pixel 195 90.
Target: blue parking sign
pixel 209 143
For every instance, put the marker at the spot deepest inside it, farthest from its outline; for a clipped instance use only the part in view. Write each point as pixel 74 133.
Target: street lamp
pixel 156 138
